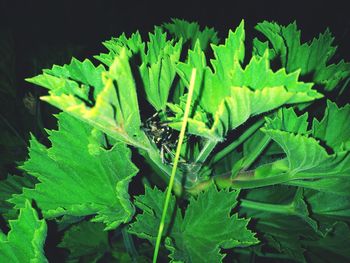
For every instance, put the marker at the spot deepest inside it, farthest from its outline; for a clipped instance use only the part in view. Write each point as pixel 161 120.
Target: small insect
pixel 164 137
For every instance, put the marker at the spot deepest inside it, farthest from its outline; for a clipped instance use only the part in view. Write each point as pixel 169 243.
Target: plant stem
pixel 129 244
pixel 237 142
pixel 247 181
pixel 266 207
pixel 259 148
pixel 162 170
pixel 207 149
pixel 176 160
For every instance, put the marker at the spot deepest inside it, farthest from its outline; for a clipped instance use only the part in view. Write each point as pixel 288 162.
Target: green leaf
pixel 151 203
pixel 270 201
pixel 82 72
pixel 206 227
pixel 76 182
pixel 283 218
pixel 115 46
pixel 334 128
pixel 25 241
pixel 327 204
pixel 287 120
pixel 333 247
pixel 306 158
pixel 311 58
pixel 338 186
pixel 116 110
pixel 305 154
pixel 158 68
pixel 190 31
pixel 86 242
pixel 231 93
pixel 13 184
pixel 260 47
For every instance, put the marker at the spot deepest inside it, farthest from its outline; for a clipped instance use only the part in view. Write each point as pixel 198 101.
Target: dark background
pixel 37 24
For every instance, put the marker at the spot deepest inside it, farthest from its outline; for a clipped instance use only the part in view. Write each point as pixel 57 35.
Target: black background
pixel 38 23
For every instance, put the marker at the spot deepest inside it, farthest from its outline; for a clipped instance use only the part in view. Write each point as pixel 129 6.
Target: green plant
pixel 259 172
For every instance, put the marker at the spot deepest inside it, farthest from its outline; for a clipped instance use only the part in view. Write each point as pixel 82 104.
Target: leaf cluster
pixel 261 174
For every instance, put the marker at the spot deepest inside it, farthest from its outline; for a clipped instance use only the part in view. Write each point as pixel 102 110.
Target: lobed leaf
pixel 198 236
pixel 115 111
pixel 231 93
pixel 158 68
pixel 86 242
pixel 308 163
pixel 334 128
pixel 25 240
pixel 190 31
pixel 311 58
pixel 133 45
pixel 13 184
pixel 77 182
pixel 305 154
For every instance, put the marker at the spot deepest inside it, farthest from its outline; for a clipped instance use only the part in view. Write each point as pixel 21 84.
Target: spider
pixel 164 137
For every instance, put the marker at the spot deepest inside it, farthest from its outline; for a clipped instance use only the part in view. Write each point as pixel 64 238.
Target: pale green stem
pixel 237 142
pixel 266 207
pixel 252 157
pixel 176 160
pixel 207 149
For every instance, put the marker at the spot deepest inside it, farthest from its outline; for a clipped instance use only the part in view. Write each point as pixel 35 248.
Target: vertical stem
pixel 129 244
pixel 176 160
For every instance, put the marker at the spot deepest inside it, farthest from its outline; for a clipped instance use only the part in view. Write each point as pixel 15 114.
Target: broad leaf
pixel 334 128
pixel 115 46
pixel 25 241
pixel 86 242
pixel 158 68
pixel 151 203
pixel 305 154
pixel 329 205
pixel 306 158
pixel 338 186
pixel 82 72
pixel 75 179
pixel 231 93
pixel 206 227
pixel 190 31
pixel 115 110
pixel 311 58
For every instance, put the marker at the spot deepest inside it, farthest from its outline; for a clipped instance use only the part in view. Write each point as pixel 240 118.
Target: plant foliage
pixel 264 170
